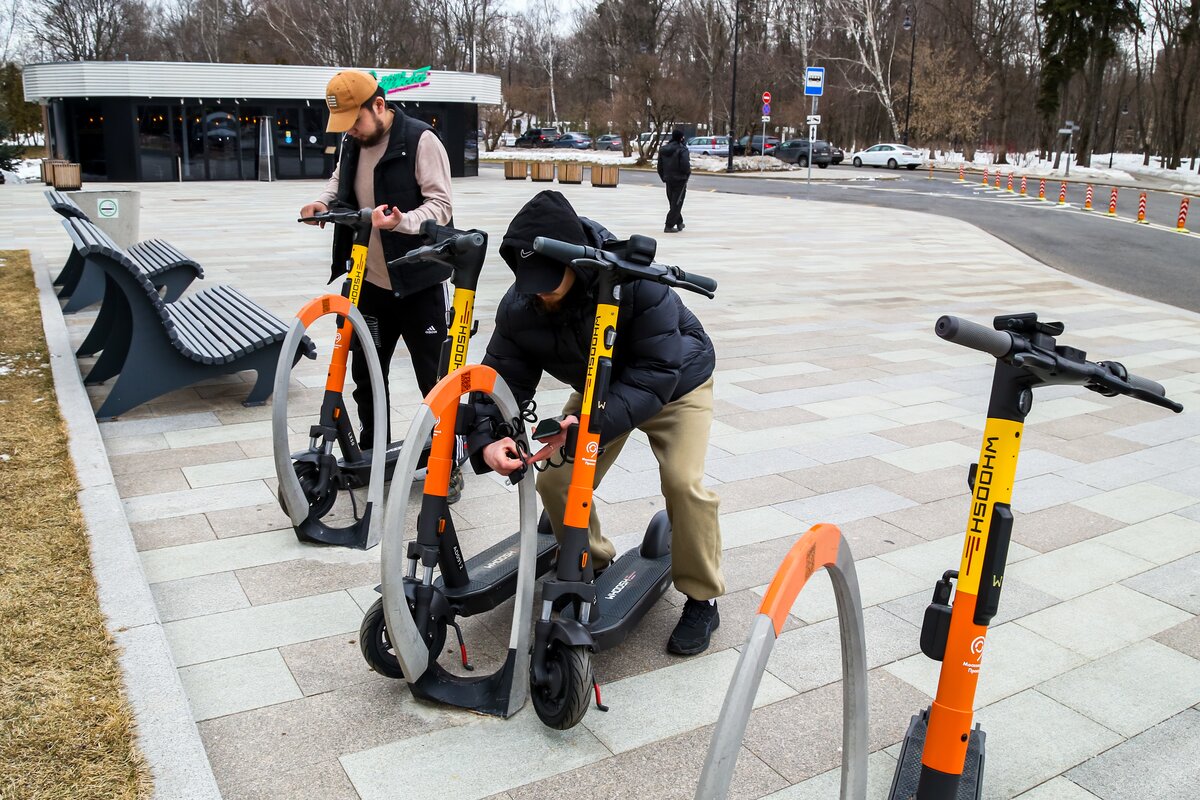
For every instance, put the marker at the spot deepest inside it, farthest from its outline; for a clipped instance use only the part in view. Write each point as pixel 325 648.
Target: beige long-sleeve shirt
pixel 432 170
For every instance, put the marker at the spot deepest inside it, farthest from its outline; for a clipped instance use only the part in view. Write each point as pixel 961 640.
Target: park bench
pixel 64 205
pixel 154 347
pixel 165 266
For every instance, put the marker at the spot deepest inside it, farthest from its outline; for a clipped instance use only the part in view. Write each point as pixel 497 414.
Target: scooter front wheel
pixel 563 700
pixel 318 504
pixel 377 648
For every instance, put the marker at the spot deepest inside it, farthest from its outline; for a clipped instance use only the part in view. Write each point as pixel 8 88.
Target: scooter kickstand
pixel 462 646
pixel 596 686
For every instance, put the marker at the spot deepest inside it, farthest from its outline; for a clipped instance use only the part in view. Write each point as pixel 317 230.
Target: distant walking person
pixel 675 167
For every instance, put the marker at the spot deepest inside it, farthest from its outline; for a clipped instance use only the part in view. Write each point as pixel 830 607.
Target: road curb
pixel 166 733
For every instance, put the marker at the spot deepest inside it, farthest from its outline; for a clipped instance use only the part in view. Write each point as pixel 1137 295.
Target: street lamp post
pixel 909 25
pixel 737 19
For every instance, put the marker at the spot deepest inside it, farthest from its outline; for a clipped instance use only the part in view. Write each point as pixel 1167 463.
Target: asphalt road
pixel 1150 261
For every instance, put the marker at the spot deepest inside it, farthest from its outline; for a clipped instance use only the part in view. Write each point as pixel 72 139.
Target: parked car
pixel 892 156
pixel 608 141
pixel 753 145
pixel 507 139
pixel 574 140
pixel 537 137
pixel 839 155
pixel 644 139
pixel 796 151
pixel 709 145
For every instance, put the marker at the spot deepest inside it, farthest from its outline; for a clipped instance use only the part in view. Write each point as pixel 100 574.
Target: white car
pixel 709 145
pixel 892 156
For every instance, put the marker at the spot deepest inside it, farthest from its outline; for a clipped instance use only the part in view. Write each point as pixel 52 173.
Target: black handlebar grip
pixel 559 251
pixel 1146 385
pixel 707 284
pixel 975 336
pixel 464 240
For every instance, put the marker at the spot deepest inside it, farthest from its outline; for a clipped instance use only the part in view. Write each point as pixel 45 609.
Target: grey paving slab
pixel 1078 568
pixel 1032 738
pixel 1158 540
pixel 1137 503
pixel 1160 763
pixel 672 700
pixel 195 501
pixel 522 750
pixel 1059 788
pixel 243 552
pixel 1130 690
pixel 1104 621
pixel 195 597
pixel 156 533
pixel 1177 583
pixel 1184 637
pixel 1059 526
pixel 879 581
pixel 845 506
pixel 325 780
pixel 1017 600
pixel 881 768
pixel 240 683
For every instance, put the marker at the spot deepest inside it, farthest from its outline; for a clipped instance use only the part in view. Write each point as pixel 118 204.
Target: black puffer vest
pixel 395 185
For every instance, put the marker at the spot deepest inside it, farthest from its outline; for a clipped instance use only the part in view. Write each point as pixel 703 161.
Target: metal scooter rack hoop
pixel 822 546
pixel 502 693
pixel 366 531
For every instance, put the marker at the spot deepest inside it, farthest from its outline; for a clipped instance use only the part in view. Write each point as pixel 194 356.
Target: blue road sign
pixel 766 108
pixel 814 81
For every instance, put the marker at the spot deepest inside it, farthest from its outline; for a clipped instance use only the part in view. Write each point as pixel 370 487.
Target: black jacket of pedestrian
pixel 662 351
pixel 674 162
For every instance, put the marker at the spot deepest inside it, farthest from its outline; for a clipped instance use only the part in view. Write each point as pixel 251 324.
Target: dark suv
pixel 755 145
pixel 795 151
pixel 537 137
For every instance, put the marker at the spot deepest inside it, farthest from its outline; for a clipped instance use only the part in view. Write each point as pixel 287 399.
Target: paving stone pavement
pixel 834 402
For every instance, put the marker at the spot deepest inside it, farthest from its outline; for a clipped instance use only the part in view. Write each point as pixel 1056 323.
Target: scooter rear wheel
pixel 563 700
pixel 377 649
pixel 318 504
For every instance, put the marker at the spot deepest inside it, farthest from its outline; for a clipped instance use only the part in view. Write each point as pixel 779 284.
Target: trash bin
pixel 48 169
pixel 117 212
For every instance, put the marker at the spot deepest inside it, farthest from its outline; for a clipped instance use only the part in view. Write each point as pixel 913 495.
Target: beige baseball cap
pixel 345 94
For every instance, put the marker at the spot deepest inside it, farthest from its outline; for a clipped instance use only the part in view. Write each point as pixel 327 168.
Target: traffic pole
pixel 985 176
pixel 930 171
pixel 1042 190
pixel 1141 218
pixel 1087 202
pixel 1010 183
pixel 961 174
pixel 1112 203
pixel 1062 194
pixel 997 180
pixel 1022 186
pixel 1181 221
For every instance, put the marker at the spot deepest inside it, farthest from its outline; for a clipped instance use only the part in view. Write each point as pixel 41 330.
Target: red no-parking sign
pixel 766 98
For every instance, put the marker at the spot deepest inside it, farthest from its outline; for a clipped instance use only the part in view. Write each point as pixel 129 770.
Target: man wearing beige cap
pixel 397 165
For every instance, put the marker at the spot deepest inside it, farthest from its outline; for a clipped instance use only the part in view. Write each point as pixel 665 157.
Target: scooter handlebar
pixel 1146 385
pixel 700 281
pixel 341 216
pixel 975 336
pixel 562 251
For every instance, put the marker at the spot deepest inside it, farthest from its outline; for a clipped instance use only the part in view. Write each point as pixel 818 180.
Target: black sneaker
pixel 700 618
pixel 454 492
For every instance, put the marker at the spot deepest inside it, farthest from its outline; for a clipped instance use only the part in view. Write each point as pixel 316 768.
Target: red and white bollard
pixel 1181 222
pixel 1042 190
pixel 997 179
pixel 1010 183
pixel 961 173
pixel 930 171
pixel 1062 194
pixel 1141 218
pixel 985 176
pixel 1022 186
pixel 1087 201
pixel 1112 203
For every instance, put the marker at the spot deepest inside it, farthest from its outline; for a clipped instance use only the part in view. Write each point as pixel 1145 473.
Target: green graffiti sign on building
pixel 404 80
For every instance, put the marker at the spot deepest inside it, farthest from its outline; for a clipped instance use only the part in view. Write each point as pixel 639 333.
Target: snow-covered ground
pixel 1126 168
pixel 28 170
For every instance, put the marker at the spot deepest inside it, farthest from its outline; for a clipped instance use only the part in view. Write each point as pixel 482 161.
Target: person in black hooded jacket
pixel 675 168
pixel 661 384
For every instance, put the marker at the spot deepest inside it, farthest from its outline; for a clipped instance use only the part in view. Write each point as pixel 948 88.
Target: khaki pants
pixel 678 437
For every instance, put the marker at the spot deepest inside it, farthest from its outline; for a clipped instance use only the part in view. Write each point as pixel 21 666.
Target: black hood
pixel 547 214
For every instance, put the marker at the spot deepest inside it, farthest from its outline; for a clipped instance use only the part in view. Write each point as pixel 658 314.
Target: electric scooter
pixel 942 756
pixel 310 480
pixel 597 613
pixel 419 606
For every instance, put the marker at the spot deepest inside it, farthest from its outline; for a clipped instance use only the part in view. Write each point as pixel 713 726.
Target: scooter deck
pixel 908 767
pixel 628 589
pixel 494 574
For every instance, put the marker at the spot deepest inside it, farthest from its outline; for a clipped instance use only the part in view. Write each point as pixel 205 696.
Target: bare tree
pixel 867 26
pixel 88 30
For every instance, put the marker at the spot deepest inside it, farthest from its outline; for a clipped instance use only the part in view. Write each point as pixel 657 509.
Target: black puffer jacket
pixel 674 163
pixel 662 351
